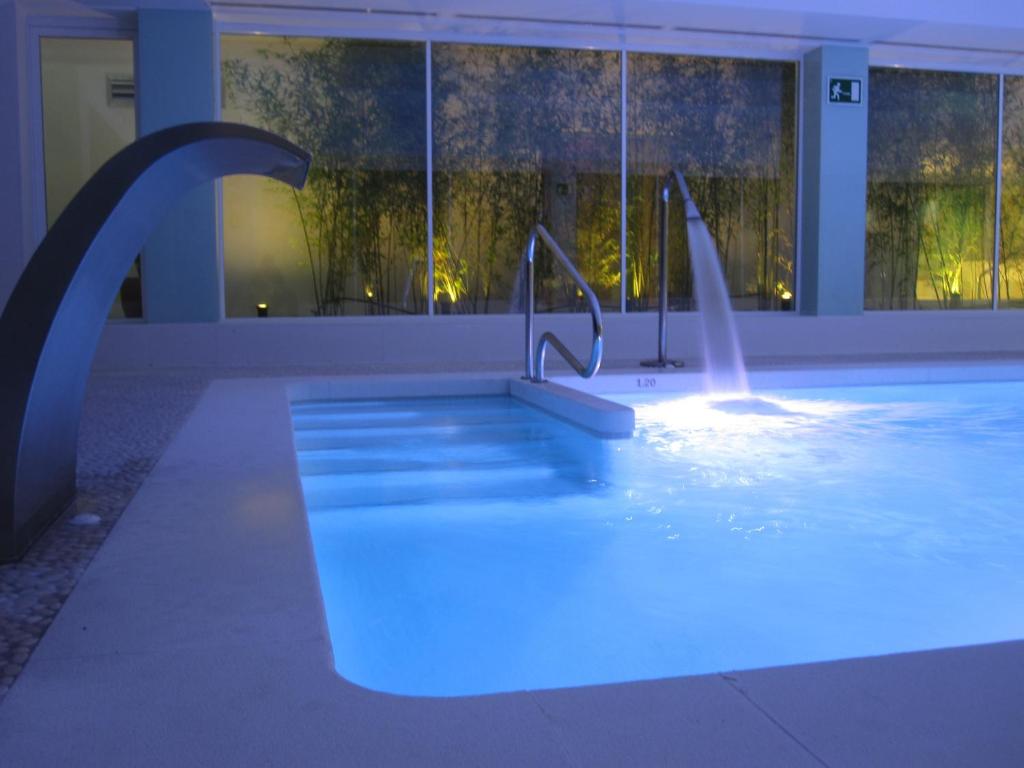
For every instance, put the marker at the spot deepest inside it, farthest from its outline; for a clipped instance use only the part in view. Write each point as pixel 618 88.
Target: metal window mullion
pixel 430 184
pixel 999 193
pixel 798 161
pixel 623 126
pixel 218 184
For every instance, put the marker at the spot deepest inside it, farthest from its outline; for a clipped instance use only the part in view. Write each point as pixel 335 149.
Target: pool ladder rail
pixel 676 176
pixel 535 358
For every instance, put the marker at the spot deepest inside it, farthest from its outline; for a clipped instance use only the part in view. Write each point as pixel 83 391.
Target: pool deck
pixel 196 637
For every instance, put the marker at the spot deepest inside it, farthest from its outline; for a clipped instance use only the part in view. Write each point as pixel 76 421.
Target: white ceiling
pixel 990 25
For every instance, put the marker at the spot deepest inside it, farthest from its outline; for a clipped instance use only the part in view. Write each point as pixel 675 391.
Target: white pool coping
pixel 197 637
pixel 648 380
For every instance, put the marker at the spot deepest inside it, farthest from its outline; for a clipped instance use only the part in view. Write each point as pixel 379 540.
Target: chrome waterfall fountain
pixel 724 371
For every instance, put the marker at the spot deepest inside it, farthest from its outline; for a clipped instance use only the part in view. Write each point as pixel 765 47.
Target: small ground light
pixel 786 301
pixel 262 310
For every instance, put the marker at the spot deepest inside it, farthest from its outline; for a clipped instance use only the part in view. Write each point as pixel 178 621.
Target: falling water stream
pixel 724 372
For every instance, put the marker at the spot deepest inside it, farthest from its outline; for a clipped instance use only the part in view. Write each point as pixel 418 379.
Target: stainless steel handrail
pixel 535 360
pixel 675 175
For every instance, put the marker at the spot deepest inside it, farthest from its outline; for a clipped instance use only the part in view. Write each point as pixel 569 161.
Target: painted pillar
pixel 14 193
pixel 175 76
pixel 834 176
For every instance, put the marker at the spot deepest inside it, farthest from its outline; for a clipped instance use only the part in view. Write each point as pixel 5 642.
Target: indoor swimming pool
pixel 476 545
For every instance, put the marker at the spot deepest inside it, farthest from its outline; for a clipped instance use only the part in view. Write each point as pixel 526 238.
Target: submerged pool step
pixel 331 492
pixel 420 405
pixel 412 411
pixel 560 510
pixel 425 436
pixel 410 420
pixel 390 463
pixel 511 472
pixel 455 451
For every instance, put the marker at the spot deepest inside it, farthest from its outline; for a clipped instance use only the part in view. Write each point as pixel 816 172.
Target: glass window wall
pixel 1011 225
pixel 730 126
pixel 353 242
pixel 520 135
pixel 524 135
pixel 931 189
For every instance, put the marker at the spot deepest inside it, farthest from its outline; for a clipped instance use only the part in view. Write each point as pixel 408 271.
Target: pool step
pixel 370 454
pixel 404 420
pixel 463 487
pixel 557 510
pixel 425 436
pixel 479 493
pixel 419 405
pixel 386 463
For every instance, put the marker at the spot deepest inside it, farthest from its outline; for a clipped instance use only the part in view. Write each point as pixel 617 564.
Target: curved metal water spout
pixel 674 176
pixel 535 360
pixel 52 323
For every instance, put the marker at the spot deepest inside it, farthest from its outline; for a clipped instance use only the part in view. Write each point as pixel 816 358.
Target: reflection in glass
pixel 523 135
pixel 354 241
pixel 1011 232
pixel 931 189
pixel 729 124
pixel 88 94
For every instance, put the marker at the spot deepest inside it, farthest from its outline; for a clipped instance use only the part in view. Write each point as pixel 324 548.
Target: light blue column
pixel 834 176
pixel 175 77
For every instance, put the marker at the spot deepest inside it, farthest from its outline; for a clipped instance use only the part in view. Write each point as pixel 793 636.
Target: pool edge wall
pixel 403 343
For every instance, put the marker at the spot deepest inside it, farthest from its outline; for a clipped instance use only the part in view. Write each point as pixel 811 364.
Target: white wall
pixel 82 130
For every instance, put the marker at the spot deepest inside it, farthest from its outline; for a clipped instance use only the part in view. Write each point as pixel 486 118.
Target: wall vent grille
pixel 120 89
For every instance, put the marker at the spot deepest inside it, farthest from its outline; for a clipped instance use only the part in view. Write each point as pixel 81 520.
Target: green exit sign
pixel 844 90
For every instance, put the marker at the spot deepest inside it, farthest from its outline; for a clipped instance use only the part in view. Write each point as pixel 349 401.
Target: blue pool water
pixel 476 545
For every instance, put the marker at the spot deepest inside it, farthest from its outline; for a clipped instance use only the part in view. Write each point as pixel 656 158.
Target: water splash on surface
pixel 758 406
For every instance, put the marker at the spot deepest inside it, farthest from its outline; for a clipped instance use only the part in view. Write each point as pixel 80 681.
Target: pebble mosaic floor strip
pixel 128 421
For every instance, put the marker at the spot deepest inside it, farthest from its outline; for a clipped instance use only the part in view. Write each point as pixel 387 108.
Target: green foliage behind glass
pixel 524 135
pixel 360 108
pixel 931 189
pixel 730 126
pixel 1011 232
